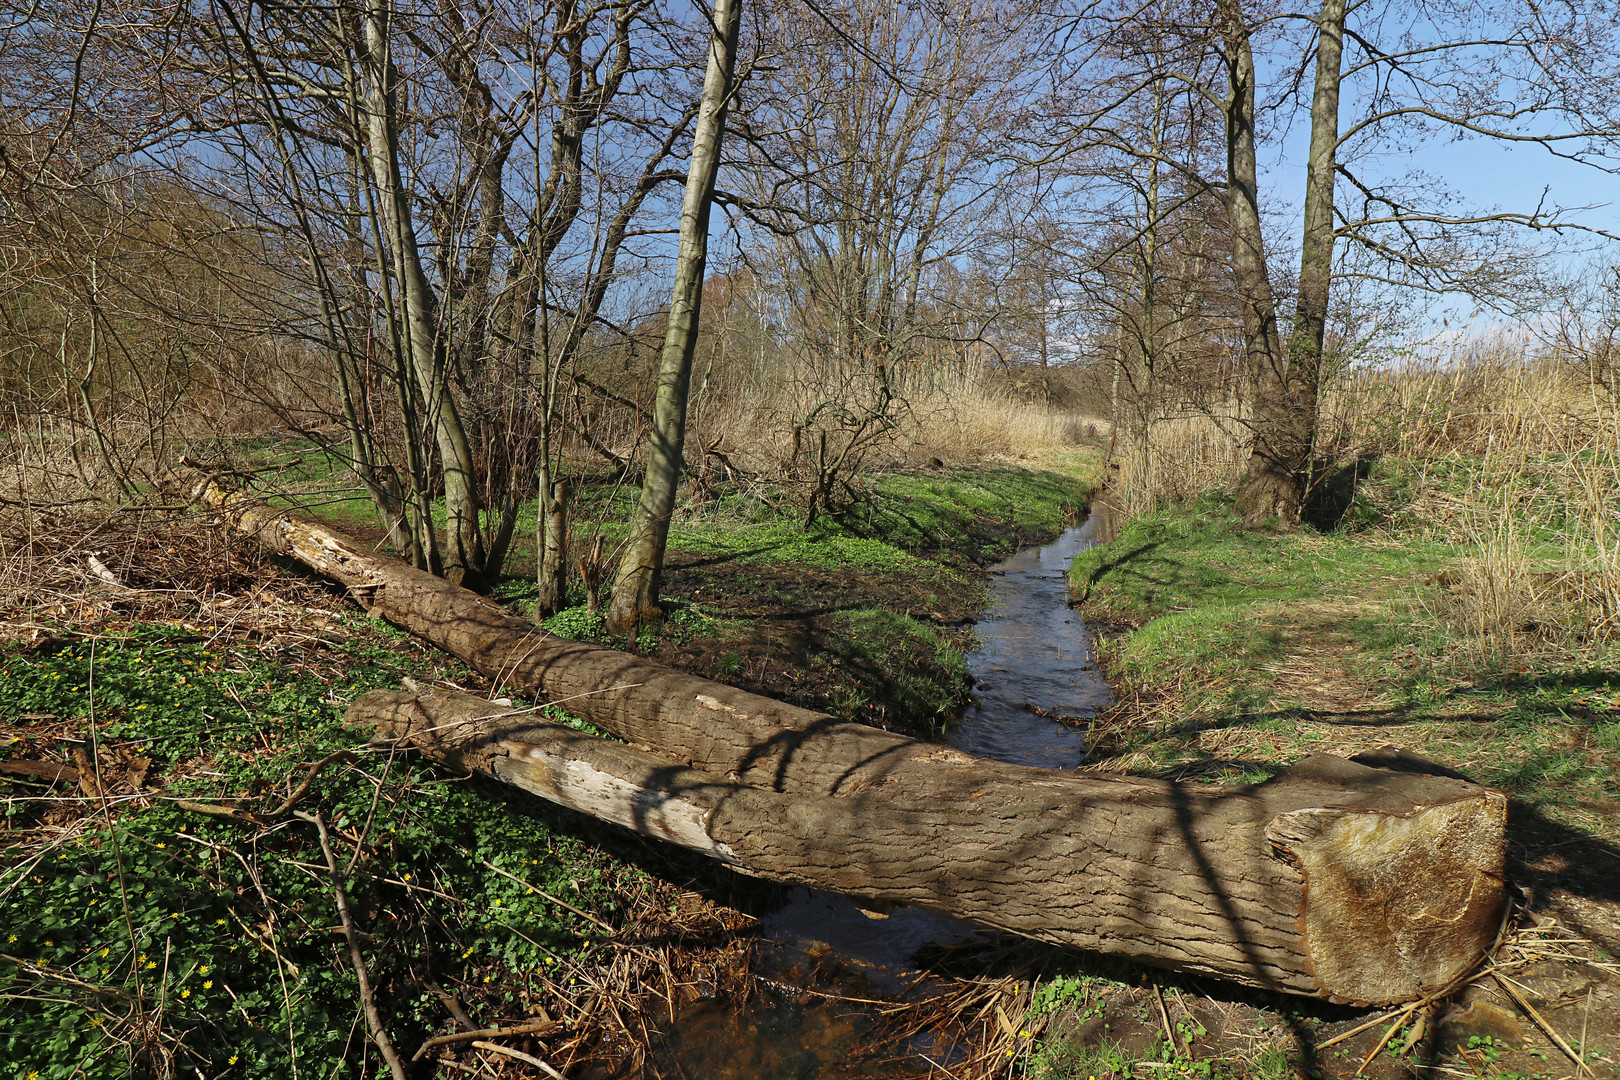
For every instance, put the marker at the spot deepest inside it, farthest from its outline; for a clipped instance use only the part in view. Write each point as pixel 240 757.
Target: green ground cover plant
pixel 149 938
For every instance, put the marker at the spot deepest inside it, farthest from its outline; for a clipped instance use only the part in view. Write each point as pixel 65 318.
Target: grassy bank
pixel 863 614
pixel 174 749
pixel 1237 652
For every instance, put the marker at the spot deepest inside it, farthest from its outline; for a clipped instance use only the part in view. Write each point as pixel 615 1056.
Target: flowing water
pixel 1034 665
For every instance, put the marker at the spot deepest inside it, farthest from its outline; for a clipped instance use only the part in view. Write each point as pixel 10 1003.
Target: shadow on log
pixel 1371 881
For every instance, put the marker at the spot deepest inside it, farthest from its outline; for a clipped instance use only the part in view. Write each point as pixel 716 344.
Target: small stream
pixel 1034 664
pixel 1034 654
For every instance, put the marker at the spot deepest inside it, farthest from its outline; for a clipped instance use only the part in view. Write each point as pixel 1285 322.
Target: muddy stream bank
pixel 825 969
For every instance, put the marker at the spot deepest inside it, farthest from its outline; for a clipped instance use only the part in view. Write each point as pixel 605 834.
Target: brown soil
pixel 782 633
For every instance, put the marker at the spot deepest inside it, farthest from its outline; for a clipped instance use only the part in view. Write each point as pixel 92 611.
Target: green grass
pixel 976 513
pixel 949 513
pixel 916 678
pixel 1264 646
pixel 1199 556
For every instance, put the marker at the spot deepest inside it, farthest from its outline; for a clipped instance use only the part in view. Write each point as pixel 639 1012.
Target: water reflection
pixel 1034 653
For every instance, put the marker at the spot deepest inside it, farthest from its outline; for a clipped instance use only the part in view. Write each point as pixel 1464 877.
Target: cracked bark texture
pixel 1336 879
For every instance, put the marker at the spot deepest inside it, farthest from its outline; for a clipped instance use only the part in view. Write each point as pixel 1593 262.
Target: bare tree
pixel 1418 71
pixel 636 588
pixel 880 152
pixel 460 194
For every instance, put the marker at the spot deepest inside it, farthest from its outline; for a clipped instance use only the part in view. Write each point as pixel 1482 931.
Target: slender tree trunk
pixel 553 576
pixel 1140 494
pixel 464 554
pixel 636 588
pixel 1270 488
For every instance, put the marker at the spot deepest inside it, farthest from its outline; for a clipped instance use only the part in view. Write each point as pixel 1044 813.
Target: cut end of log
pixel 1398 906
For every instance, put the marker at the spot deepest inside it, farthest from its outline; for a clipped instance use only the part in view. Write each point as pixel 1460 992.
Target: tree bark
pixel 1309 333
pixel 636 588
pixel 417 318
pixel 553 572
pixel 1270 487
pixel 1336 879
pixel 1340 881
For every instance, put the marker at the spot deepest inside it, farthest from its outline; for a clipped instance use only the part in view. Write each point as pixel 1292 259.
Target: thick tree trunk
pixel 1270 488
pixel 636 588
pixel 1340 880
pixel 1336 879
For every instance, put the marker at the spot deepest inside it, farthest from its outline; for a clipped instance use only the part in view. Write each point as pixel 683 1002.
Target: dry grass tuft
pixel 1184 457
pixel 1512 457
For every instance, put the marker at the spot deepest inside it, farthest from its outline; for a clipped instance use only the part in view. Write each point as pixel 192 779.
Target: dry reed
pixel 1511 456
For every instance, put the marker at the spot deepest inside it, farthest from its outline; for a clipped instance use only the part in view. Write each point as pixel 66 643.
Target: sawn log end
pixel 1404 885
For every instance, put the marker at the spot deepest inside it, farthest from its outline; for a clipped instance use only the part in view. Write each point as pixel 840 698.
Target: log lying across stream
pixel 1371 881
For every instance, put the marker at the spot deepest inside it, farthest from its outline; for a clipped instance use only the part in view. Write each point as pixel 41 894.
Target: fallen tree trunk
pixel 714 727
pixel 1336 879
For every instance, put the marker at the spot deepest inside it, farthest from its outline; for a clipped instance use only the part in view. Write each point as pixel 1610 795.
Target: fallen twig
pixel 539 1027
pixel 309 777
pixel 379 1034
pixel 1547 1029
pixel 521 1056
